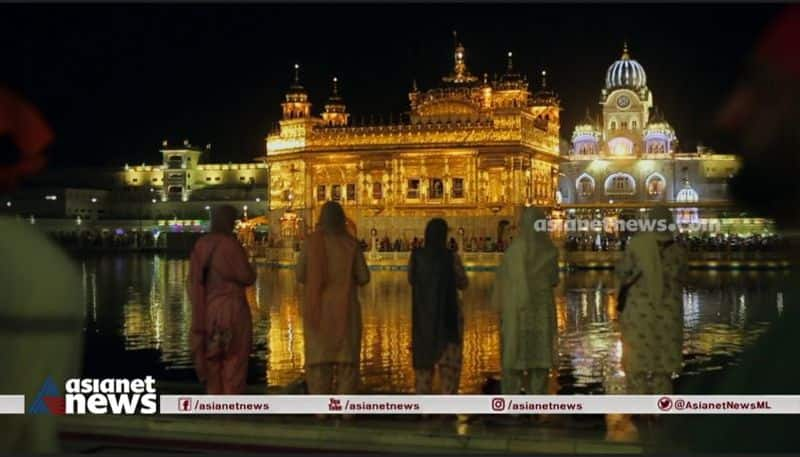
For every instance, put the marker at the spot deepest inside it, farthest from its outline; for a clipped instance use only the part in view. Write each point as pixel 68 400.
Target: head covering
pixel 523 293
pixel 539 248
pixel 223 219
pixel 332 219
pixel 436 235
pixel 327 319
pixel 434 303
pixel 647 246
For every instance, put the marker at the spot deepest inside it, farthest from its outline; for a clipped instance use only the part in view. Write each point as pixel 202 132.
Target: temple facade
pixel 472 151
pixel 629 157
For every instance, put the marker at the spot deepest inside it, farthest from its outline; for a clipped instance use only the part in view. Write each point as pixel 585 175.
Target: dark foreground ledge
pixel 304 433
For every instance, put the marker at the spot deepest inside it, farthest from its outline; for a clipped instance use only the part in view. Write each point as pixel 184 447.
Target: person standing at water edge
pixel 222 326
pixel 435 272
pixel 332 266
pixel 651 323
pixel 523 292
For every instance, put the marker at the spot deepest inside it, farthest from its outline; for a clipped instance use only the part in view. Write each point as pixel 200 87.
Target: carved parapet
pixel 411 134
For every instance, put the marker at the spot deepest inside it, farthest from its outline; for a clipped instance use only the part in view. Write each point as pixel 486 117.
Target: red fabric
pixel 780 45
pixel 28 130
pixel 220 309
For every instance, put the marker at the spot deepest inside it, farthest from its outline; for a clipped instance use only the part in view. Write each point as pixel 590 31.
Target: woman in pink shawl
pixel 221 323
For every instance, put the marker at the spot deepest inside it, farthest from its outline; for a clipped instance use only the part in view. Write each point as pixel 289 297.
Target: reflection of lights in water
pixel 155 309
pixel 584 304
pixel 94 296
pixel 258 293
pixel 611 307
pixel 598 299
pixel 691 308
pixel 779 303
pixel 742 310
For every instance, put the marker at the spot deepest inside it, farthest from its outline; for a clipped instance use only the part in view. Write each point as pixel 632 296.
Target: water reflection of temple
pixel 142 300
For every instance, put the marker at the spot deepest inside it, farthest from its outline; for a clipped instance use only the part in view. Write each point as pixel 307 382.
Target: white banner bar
pixel 479 404
pixel 12 404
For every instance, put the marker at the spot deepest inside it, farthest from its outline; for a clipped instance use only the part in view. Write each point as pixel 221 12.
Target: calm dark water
pixel 138 319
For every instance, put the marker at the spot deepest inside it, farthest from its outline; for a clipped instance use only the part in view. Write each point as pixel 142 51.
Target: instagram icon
pixel 498 404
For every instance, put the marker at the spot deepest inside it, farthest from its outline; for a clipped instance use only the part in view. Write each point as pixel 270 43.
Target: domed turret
pixel 461 74
pixel 296 104
pixel 335 113
pixel 511 79
pixel 626 73
pixel 586 137
pixel 659 136
pixel 545 96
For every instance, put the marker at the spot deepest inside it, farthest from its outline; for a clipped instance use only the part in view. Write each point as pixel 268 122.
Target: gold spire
pixel 625 54
pixel 510 62
pixel 297 73
pixel 544 79
pixel 460 72
pixel 335 89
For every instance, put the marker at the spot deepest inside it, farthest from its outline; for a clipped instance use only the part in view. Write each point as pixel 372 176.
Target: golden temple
pixel 472 151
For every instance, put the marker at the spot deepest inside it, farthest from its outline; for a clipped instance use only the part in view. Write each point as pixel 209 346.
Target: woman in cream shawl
pixel 523 291
pixel 652 320
pixel 332 266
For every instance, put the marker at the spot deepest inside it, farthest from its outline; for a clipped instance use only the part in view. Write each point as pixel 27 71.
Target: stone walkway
pixel 260 434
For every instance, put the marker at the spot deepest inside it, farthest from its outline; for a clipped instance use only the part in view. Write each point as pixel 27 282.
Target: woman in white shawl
pixel 523 292
pixel 654 266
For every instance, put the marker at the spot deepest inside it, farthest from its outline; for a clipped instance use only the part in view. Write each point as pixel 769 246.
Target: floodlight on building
pixel 94 200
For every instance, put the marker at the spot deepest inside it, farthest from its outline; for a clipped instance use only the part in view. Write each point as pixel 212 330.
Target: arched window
pixel 656 147
pixel 655 185
pixel 613 125
pixel 687 215
pixel 620 146
pixel 634 124
pixel 585 185
pixel 620 184
pixel 687 195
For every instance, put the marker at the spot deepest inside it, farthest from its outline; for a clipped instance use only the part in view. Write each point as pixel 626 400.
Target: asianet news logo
pixel 115 396
pixel 100 396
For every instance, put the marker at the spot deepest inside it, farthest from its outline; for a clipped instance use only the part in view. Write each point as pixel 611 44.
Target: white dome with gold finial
pixel 626 73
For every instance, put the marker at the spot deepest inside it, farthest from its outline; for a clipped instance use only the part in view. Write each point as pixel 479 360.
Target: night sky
pixel 115 80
